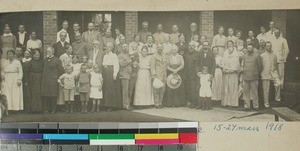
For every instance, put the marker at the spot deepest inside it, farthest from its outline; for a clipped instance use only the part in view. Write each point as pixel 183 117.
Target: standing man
pixel 219 40
pixel 76 29
pixel 96 54
pixel 59 47
pixel 194 28
pixel 269 73
pixel 144 33
pixel 254 40
pixel 159 36
pixel 192 79
pixel 65 26
pixel 49 87
pixel 125 73
pixel 80 48
pixel 262 46
pixel 108 38
pixel 89 36
pixel 206 58
pixel 158 69
pixel 22 38
pixel 174 36
pixel 252 67
pixel 119 47
pixel 281 49
pixel 272 28
pixel 263 35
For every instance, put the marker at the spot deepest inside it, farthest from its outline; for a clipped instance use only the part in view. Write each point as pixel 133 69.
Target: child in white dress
pixel 205 89
pixel 96 88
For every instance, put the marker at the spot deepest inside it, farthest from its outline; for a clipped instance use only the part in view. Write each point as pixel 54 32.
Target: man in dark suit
pixel 96 54
pixel 190 68
pixel 59 47
pixel 206 58
pixel 22 38
pixel 49 87
pixel 76 29
pixel 254 40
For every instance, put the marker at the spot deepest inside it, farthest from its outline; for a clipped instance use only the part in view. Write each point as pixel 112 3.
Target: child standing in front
pixel 67 81
pixel 96 88
pixel 205 89
pixel 76 70
pixel 84 79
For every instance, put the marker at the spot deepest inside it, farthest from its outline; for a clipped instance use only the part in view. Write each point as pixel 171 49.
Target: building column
pixel 131 25
pixel 279 17
pixel 49 27
pixel 207 24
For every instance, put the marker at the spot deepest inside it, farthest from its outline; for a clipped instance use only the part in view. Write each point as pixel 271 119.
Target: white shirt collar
pixel 7 35
pixel 26 60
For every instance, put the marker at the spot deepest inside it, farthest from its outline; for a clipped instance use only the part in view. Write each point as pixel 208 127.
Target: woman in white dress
pixel 143 89
pixel 12 75
pixel 96 88
pixel 217 80
pixel 231 67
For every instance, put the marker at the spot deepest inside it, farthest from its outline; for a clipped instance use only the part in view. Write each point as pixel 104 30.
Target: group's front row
pixel 171 79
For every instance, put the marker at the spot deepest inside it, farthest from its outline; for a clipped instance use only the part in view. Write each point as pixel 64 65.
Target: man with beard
pixel 144 33
pixel 59 47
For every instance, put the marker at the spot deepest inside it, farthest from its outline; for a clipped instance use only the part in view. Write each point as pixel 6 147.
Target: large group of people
pixel 88 71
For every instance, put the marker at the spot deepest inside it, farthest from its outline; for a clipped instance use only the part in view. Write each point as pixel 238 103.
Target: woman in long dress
pixel 231 67
pixel 175 65
pixel 26 84
pixel 8 41
pixel 217 80
pixel 143 89
pixel 35 79
pixel 111 83
pixel 12 75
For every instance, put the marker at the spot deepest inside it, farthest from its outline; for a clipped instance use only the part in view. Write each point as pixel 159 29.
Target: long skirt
pixel 175 97
pixel 26 94
pixel 143 89
pixel 230 92
pixel 111 89
pixel 60 98
pixel 217 85
pixel 35 104
pixel 13 92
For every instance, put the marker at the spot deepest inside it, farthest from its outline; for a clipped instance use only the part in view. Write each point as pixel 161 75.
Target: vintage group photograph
pixel 142 66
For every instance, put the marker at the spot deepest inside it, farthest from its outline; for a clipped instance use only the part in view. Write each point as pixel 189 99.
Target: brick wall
pixel 279 17
pixel 131 25
pixel 49 27
pixel 207 24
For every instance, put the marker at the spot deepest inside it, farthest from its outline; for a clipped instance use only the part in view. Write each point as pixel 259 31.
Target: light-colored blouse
pixel 34 44
pixel 111 59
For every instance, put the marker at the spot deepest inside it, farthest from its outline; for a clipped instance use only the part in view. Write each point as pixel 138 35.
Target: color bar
pixel 111 136
pixel 156 141
pixel 157 136
pixel 188 138
pixel 113 142
pixel 21 136
pixel 66 136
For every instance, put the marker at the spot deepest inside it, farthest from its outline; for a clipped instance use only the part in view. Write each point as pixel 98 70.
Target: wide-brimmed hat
pixel 174 81
pixel 157 83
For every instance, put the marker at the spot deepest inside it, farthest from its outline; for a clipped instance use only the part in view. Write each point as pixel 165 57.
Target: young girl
pixel 84 79
pixel 96 88
pixel 67 81
pixel 205 89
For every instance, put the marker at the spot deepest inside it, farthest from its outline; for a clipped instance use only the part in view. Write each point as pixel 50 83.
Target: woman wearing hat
pixel 175 94
pixel 143 89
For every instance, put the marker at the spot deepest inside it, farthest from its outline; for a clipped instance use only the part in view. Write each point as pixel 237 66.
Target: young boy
pixel 84 79
pixel 67 81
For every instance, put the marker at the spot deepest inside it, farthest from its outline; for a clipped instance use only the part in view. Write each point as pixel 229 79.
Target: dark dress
pixel 26 85
pixel 111 88
pixel 35 79
pixel 175 97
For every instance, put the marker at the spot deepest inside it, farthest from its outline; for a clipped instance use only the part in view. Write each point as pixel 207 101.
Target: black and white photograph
pixel 150 66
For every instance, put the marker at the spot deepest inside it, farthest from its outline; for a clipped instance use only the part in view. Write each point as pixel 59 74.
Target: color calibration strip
pixel 100 135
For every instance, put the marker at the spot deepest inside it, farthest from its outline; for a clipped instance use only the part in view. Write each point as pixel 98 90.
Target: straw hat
pixel 174 81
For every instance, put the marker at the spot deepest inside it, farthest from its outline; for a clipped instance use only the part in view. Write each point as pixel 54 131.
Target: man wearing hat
pixel 191 74
pixel 158 69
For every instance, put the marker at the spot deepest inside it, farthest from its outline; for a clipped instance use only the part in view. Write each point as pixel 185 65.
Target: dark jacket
pixel 208 61
pixel 59 49
pixel 99 58
pixel 52 70
pixel 190 65
pixel 252 66
pixel 24 43
pixel 125 65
